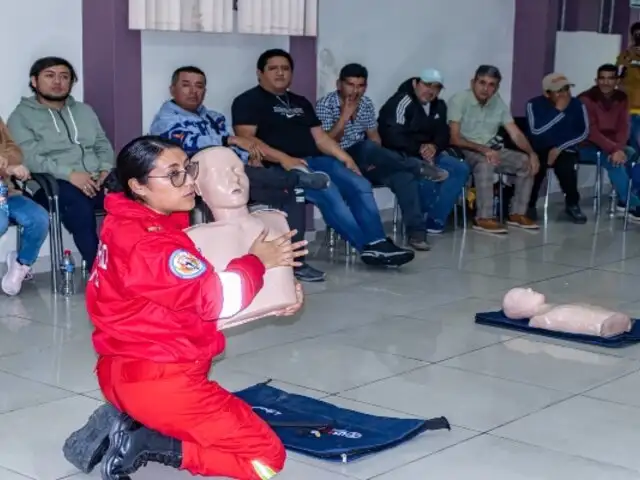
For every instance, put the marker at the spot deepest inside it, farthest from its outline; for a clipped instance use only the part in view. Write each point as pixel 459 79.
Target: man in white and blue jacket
pixel 558 123
pixel 188 122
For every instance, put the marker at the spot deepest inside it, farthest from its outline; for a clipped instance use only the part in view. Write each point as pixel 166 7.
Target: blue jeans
pixel 78 215
pixel 34 221
pixel 348 205
pixel 618 174
pixel 438 199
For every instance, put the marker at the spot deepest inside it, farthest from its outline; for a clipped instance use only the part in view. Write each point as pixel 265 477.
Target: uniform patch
pixel 186 265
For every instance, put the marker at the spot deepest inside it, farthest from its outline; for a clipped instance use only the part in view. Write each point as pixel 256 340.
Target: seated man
pixel 186 120
pixel 413 122
pixel 31 217
pixel 475 116
pixel 349 117
pixel 289 133
pixel 609 126
pixel 64 138
pixel 558 123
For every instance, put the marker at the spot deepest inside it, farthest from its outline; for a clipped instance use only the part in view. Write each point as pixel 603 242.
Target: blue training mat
pixel 321 430
pixel 499 319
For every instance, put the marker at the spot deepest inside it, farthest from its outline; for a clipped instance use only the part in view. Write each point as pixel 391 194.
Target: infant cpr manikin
pixel 582 319
pixel 224 187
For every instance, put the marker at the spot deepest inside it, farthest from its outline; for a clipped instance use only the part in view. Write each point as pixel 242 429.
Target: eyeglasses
pixel 178 177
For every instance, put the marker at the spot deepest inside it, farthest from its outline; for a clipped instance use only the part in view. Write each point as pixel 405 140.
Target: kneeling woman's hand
pixel 293 309
pixel 279 252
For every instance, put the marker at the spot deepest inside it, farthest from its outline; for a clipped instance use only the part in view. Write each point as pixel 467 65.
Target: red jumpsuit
pixel 154 302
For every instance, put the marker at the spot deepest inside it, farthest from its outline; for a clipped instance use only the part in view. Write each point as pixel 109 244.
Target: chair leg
pixel 627 205
pixel 464 207
pixel 546 196
pixel 396 215
pixel 500 199
pixel 598 186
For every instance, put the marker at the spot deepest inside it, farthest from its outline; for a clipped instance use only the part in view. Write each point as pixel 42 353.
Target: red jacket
pixel 609 122
pixel 152 296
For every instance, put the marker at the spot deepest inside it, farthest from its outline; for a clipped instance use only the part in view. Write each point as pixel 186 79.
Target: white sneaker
pixel 16 274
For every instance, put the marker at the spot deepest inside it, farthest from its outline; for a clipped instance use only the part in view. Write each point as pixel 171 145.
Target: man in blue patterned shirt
pixel 349 117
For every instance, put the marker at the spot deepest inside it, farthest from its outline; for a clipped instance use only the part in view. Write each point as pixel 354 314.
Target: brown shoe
pixel 522 221
pixel 418 242
pixel 489 225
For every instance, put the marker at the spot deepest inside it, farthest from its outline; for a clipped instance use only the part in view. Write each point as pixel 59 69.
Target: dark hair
pixel 186 69
pixel 608 67
pixel 136 160
pixel 634 28
pixel 488 71
pixel 272 53
pixel 354 70
pixel 48 62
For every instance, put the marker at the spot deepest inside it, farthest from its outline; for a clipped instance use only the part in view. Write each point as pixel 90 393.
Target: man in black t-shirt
pixel 290 135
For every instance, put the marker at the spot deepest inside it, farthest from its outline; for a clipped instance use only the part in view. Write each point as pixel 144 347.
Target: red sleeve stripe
pixel 232 294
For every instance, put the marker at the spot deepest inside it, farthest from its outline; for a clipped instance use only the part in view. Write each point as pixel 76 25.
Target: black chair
pixel 50 187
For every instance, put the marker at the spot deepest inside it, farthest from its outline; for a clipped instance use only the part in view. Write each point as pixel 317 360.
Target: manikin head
pixel 222 182
pixel 522 303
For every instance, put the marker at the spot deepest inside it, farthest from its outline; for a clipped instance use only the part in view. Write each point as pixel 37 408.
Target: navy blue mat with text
pixel 500 320
pixel 321 430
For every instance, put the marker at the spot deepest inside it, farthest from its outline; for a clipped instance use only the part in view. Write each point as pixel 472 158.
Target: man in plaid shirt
pixel 349 117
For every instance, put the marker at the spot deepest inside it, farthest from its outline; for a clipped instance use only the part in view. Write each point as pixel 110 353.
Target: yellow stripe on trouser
pixel 264 472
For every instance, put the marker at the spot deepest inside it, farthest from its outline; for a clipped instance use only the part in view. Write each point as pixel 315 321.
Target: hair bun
pixel 112 184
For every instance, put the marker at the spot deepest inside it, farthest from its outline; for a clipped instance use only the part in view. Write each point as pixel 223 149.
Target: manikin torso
pixel 584 319
pixel 224 187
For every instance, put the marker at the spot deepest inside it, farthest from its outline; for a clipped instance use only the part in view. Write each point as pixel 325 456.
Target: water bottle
pixel 4 196
pixel 68 269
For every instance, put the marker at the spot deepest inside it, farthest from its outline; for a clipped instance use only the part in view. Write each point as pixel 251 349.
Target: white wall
pixel 229 60
pixel 30 29
pixel 396 40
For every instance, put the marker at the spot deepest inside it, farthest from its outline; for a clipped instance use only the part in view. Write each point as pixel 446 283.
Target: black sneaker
pixel 311 180
pixel 306 273
pixel 576 214
pixel 386 253
pixel 634 215
pixel 132 446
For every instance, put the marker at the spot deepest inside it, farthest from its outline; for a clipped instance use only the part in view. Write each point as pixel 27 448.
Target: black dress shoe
pixel 132 446
pixel 306 273
pixel 576 214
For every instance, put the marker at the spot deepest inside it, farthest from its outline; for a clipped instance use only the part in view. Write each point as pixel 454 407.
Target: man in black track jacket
pixel 413 122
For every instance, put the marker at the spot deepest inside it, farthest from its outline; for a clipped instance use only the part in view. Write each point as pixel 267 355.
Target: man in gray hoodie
pixel 63 137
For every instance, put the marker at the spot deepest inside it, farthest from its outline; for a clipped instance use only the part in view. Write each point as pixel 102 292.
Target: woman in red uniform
pixel 154 302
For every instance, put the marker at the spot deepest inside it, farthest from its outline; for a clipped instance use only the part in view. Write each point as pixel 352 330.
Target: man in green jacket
pixel 63 137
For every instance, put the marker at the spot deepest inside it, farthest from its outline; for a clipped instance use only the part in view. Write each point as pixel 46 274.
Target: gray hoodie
pixel 60 142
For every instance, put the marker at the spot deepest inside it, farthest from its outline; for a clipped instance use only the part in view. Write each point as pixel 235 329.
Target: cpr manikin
pixel 224 187
pixel 520 303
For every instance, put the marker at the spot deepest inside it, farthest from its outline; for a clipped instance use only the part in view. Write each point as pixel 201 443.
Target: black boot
pixel 85 448
pixel 132 446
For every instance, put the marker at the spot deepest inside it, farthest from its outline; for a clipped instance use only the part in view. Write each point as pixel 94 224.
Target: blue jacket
pixel 552 128
pixel 194 131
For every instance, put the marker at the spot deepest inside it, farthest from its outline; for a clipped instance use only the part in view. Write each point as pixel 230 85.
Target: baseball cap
pixel 431 75
pixel 555 82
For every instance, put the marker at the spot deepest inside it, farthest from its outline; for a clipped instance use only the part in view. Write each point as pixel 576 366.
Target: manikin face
pixel 222 182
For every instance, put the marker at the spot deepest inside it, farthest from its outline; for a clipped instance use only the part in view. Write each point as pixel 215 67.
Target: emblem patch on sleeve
pixel 186 265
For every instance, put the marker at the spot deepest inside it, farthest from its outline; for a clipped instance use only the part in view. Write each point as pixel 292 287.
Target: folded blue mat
pixel 321 430
pixel 499 319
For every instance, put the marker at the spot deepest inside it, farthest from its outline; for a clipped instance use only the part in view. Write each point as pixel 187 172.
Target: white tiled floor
pixel 396 343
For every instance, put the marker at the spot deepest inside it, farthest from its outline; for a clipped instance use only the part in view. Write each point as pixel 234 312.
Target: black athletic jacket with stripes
pixel 405 124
